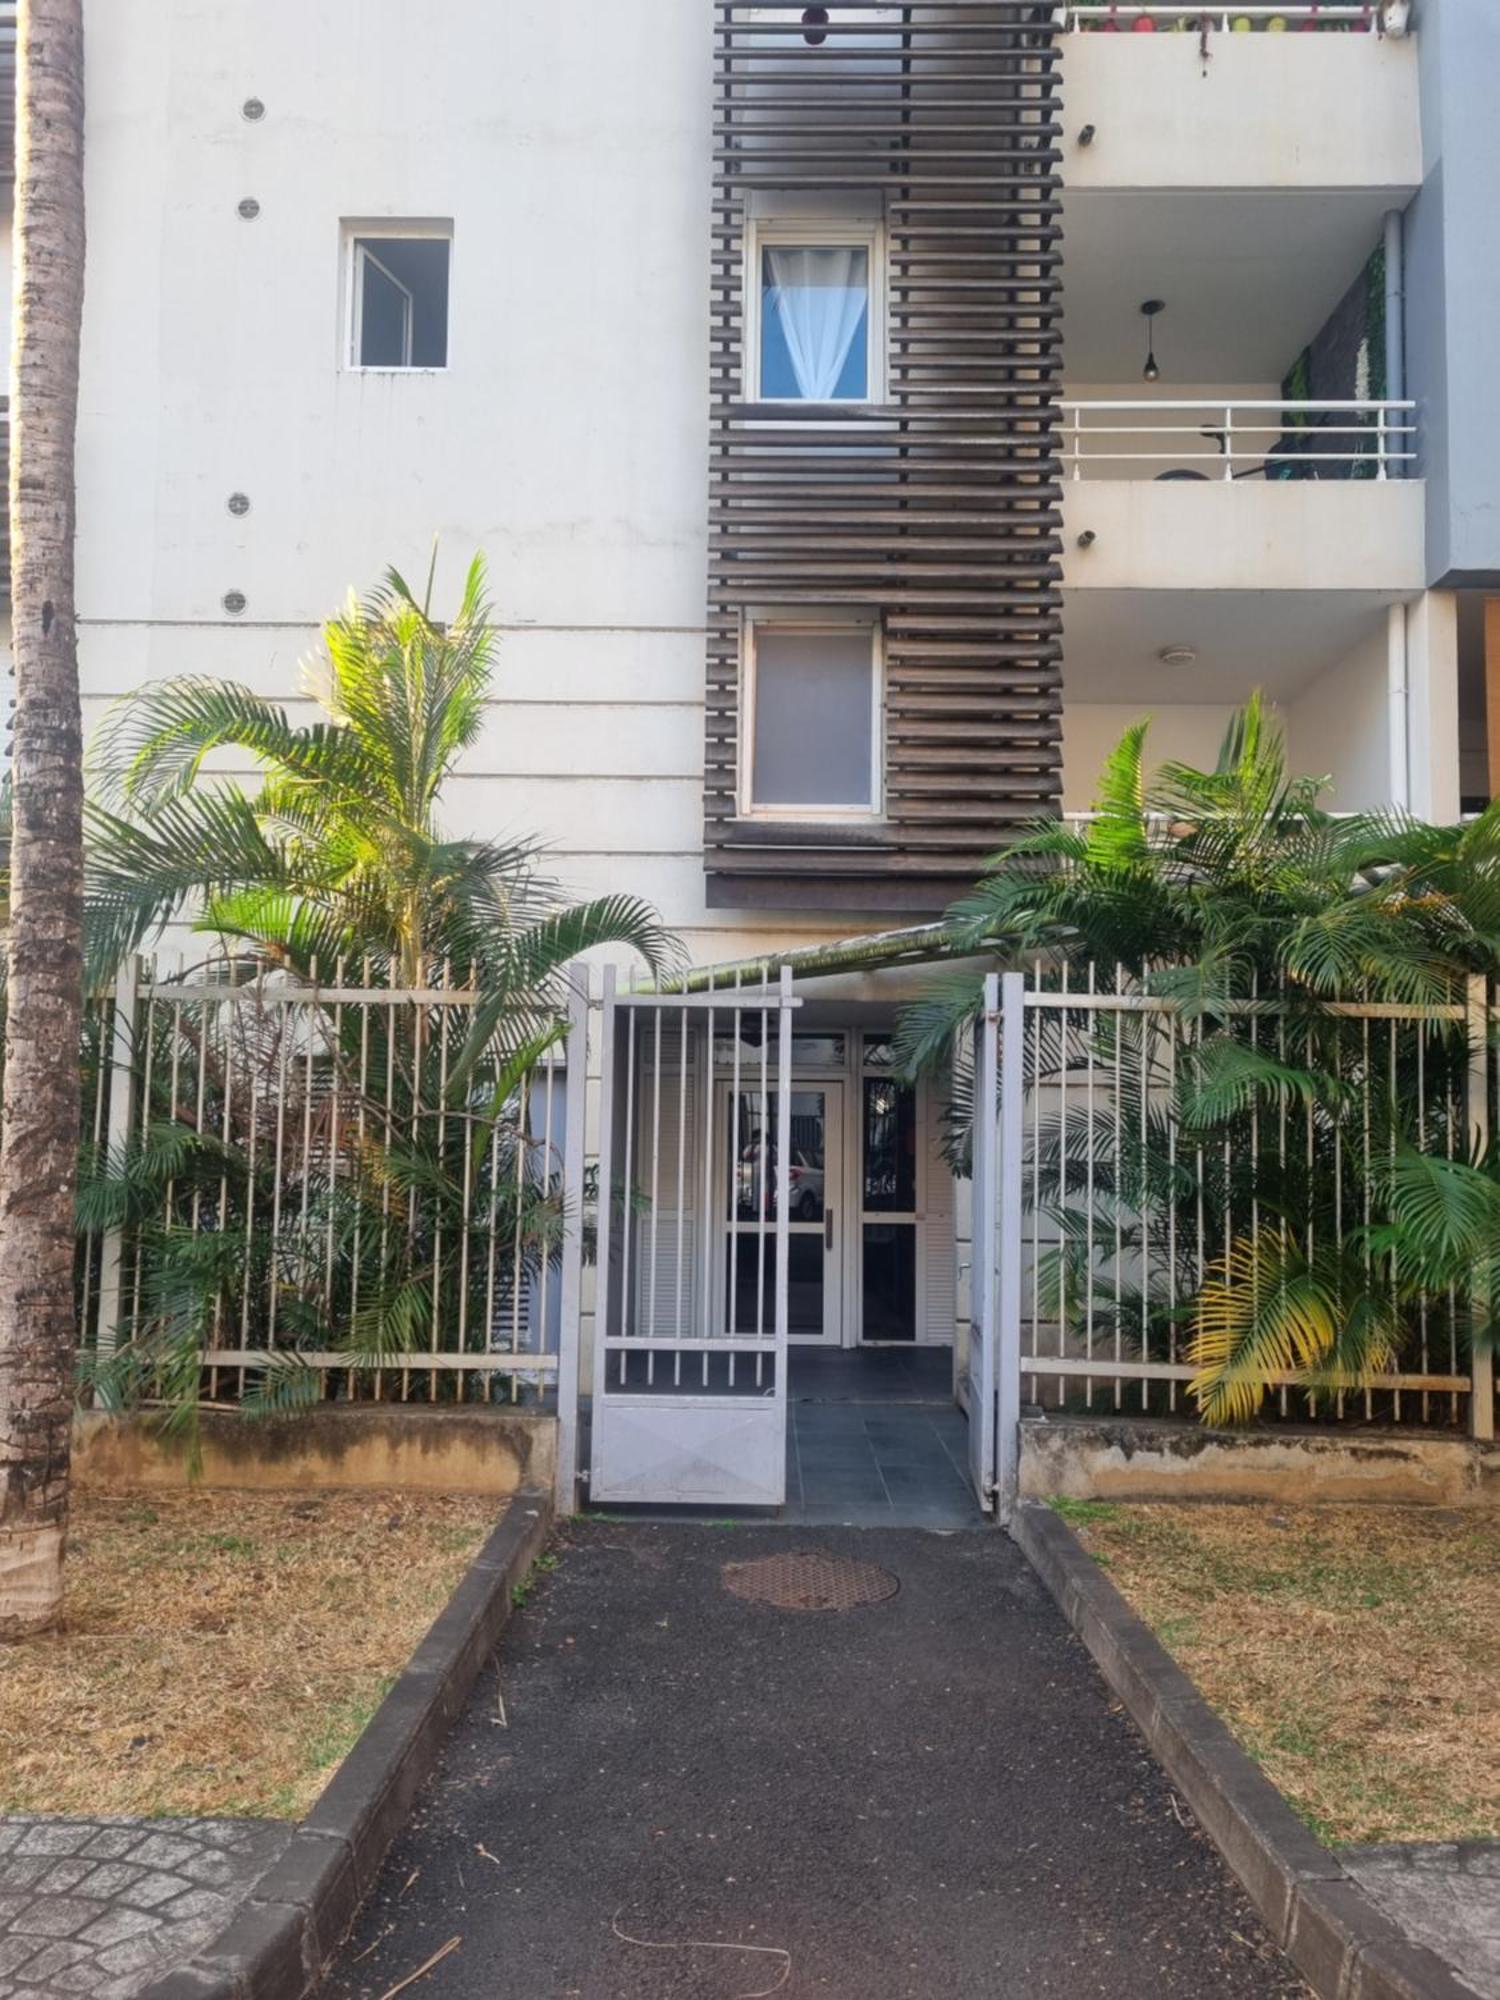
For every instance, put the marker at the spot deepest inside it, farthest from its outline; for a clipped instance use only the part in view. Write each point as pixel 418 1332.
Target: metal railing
pixel 337 1178
pixel 1125 17
pixel 1115 1208
pixel 1201 438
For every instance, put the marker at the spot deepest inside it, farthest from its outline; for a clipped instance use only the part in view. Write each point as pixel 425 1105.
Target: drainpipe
pixel 1398 724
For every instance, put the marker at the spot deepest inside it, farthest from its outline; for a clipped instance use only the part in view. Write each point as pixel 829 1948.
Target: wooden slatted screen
pixel 937 511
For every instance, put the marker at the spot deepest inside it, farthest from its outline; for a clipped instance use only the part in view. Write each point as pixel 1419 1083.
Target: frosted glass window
pixel 814 698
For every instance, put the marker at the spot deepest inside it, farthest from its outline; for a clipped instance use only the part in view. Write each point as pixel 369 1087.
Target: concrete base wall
pixel 1085 1459
pixel 365 1446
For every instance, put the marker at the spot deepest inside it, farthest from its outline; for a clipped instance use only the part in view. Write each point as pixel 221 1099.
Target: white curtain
pixel 819 294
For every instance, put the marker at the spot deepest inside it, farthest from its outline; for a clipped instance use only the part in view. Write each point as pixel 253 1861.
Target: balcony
pixel 1252 96
pixel 1192 493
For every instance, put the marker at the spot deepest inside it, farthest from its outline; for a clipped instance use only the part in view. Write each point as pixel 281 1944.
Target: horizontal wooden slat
pixel 939 509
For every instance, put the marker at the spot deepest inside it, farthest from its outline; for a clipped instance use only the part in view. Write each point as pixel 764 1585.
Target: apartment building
pixel 866 411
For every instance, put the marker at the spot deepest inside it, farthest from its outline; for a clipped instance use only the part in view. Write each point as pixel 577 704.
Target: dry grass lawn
pixel 1355 1651
pixel 221 1651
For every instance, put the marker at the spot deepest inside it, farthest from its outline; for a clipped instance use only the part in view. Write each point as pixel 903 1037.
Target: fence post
pixel 116 1134
pixel 1008 1240
pixel 570 1302
pixel 1481 1361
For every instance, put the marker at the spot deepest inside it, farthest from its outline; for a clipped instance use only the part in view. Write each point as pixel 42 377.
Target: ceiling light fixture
pixel 1177 656
pixel 1149 309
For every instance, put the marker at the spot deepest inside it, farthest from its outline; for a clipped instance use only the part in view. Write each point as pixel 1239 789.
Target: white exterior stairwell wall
pixel 566 438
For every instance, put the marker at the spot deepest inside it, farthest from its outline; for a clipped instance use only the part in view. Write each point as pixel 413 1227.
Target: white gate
pixel 994 1381
pixel 690 1335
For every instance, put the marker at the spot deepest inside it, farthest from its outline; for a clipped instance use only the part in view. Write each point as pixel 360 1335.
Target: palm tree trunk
pixel 44 995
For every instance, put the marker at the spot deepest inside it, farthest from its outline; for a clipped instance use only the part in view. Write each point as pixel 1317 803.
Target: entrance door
pixel 813 1162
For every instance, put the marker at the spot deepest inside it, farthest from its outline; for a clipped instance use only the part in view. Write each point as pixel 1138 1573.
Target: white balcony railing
pixel 1125 17
pixel 1204 439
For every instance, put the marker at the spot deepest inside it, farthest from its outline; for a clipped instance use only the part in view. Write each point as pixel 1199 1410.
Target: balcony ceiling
pixel 1278 641
pixel 1248 279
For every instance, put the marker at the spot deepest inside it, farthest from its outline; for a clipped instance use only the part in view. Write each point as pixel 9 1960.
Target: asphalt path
pixel 662 1792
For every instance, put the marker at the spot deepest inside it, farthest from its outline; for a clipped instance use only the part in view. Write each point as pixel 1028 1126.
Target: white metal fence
pixel 1199 438
pixel 1102 1205
pixel 363 1187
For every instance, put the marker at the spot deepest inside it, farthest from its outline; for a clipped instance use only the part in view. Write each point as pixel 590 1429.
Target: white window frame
pixel 390 229
pixel 803 625
pixel 832 233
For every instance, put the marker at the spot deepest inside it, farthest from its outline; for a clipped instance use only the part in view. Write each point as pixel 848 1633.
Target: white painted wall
pixel 1249 534
pixel 1283 111
pixel 1338 726
pixel 1184 733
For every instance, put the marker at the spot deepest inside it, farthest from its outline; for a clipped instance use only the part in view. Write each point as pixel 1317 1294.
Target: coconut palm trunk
pixel 44 995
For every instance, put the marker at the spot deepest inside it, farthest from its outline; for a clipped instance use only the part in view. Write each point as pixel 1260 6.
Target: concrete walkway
pixel 927 1796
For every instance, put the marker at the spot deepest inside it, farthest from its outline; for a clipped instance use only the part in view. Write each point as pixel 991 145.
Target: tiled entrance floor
pixel 874 1440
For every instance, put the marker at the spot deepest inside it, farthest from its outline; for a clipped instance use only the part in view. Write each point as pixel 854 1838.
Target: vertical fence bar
pixel 1008 1290
pixel 570 1277
pixel 604 1227
pixel 117 1137
pixel 1481 1357
pixel 988 1247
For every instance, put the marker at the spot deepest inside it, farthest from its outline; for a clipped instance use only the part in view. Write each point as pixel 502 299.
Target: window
pixel 811 719
pixel 817 314
pixel 398 298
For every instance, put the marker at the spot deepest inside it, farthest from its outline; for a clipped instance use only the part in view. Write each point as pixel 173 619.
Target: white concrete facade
pixel 569 152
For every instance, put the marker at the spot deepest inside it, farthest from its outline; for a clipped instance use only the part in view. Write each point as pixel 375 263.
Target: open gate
pixel 690 1335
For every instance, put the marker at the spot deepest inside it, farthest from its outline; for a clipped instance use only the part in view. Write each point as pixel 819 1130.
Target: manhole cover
pixel 810 1582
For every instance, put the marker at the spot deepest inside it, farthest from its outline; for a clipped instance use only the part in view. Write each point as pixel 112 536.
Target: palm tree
pixel 44 994
pixel 1211 889
pixel 333 862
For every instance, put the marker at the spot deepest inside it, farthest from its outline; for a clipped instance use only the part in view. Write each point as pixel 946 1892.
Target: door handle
pixel 828 1229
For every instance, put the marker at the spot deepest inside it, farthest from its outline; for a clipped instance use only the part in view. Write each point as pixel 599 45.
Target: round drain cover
pixel 807 1581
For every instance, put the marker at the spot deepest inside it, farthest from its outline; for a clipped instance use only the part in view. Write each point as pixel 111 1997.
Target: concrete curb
pixel 1338 1940
pixel 282 1938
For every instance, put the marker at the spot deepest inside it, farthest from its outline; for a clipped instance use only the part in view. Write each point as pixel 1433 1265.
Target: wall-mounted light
pixel 1150 308
pixel 815 26
pixel 1086 135
pixel 1087 539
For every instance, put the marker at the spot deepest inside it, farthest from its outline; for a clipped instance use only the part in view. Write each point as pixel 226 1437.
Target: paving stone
pixel 1444 1896
pixel 64 1875
pixel 117 1925
pixel 44 1839
pixel 198 1906
pixel 108 1878
pixel 60 1956
pixel 15 1951
pixel 146 1953
pixel 112 1841
pixel 10 1833
pixel 56 1916
pixel 211 1871
pixel 161 1850
pixel 12 1906
pixel 23 1871
pixel 152 1890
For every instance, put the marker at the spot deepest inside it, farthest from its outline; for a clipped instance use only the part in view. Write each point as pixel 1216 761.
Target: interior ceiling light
pixel 1150 308
pixel 1177 656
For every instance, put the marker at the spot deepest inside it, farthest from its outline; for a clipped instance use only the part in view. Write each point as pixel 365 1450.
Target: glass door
pixel 888 1214
pixel 813 1161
